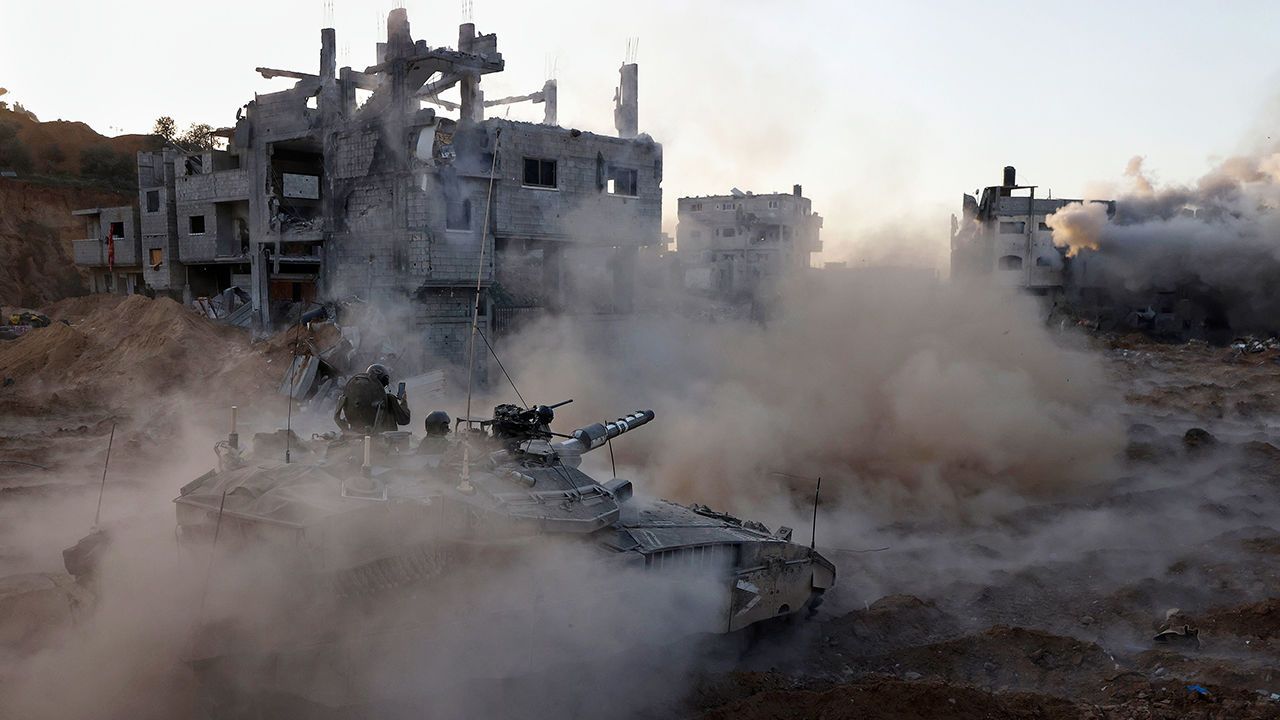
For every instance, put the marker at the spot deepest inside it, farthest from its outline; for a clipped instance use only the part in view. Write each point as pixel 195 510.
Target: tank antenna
pixel 817 490
pixel 813 539
pixel 288 393
pixel 217 530
pixel 475 311
pixel 103 487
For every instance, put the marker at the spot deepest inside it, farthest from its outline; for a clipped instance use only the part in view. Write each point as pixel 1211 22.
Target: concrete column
pixel 399 39
pixel 469 87
pixel 626 101
pixel 549 110
pixel 328 55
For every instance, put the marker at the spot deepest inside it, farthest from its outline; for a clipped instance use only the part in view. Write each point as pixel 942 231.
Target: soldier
pixel 366 408
pixel 437 439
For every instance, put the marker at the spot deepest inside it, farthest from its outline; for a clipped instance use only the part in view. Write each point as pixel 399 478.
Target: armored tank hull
pixel 379 551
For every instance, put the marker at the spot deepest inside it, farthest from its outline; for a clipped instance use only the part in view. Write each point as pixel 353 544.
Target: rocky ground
pixel 1045 611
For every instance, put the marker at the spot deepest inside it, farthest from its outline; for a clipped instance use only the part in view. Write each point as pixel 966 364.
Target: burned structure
pixel 739 244
pixel 1003 236
pixel 360 183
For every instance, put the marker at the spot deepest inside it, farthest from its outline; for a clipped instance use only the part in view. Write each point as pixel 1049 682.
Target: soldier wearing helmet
pixel 366 407
pixel 437 439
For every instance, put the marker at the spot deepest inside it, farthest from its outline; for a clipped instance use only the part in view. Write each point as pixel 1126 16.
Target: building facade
pixel 737 245
pixel 370 184
pixel 1003 236
pixel 111 250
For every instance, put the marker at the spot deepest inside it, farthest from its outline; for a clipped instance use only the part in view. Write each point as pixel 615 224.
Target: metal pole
pixel 103 488
pixel 475 311
pixel 217 530
pixel 1031 230
pixel 813 539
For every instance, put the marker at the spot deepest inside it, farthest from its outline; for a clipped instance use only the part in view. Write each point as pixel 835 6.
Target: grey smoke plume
pixel 1216 241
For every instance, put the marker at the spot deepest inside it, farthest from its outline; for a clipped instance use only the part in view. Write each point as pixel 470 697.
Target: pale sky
pixel 886 112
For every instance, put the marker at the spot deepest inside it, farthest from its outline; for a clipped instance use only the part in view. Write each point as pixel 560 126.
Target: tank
pixel 350 519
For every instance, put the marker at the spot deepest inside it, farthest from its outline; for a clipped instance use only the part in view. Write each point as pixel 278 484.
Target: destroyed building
pixel 738 244
pixel 361 183
pixel 1003 236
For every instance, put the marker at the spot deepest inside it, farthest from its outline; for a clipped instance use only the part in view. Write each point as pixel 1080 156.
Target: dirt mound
pixel 1258 624
pixel 1003 658
pixel 1242 674
pixel 890 623
pixel 75 309
pixel 748 696
pixel 881 699
pixel 137 346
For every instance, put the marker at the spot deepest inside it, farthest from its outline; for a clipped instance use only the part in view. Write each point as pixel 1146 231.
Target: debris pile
pixel 133 345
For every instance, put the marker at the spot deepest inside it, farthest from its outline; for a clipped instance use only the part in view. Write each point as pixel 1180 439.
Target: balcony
pixel 93 252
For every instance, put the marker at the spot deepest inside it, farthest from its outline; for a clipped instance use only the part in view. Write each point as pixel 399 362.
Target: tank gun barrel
pixel 596 435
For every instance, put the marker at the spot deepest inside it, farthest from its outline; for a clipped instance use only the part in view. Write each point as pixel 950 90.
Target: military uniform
pixel 366 408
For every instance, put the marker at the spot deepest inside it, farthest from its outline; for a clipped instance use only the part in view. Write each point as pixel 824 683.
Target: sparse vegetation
pixel 52 157
pixel 14 155
pixel 112 168
pixel 198 136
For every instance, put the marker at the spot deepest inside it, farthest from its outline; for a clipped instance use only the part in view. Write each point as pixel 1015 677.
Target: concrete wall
pixel 159 228
pixel 213 186
pixel 193 247
pixel 578 209
pixel 92 250
pixel 443 317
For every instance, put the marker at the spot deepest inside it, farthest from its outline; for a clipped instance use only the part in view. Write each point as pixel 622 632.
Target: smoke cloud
pixel 1214 241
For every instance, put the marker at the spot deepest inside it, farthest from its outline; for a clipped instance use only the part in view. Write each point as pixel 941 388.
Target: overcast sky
pixel 886 112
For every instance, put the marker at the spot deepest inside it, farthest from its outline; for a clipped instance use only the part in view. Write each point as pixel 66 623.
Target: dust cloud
pixel 910 397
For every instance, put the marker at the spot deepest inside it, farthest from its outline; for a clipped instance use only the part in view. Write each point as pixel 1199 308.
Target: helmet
pixel 380 373
pixel 438 423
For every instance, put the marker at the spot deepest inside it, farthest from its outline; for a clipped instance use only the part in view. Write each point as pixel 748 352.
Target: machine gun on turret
pixel 513 424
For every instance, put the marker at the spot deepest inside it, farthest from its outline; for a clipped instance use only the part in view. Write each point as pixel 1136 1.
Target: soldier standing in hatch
pixel 437 439
pixel 367 408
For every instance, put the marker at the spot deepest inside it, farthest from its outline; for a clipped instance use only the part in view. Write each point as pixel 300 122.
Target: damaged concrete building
pixel 1002 235
pixel 736 245
pixel 111 251
pixel 359 183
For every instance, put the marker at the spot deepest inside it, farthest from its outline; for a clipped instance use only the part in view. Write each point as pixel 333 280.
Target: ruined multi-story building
pixel 1003 236
pixel 737 244
pixel 347 185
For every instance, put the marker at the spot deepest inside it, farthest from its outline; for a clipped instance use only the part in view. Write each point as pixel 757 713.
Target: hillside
pixel 36 225
pixel 36 230
pixel 56 148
